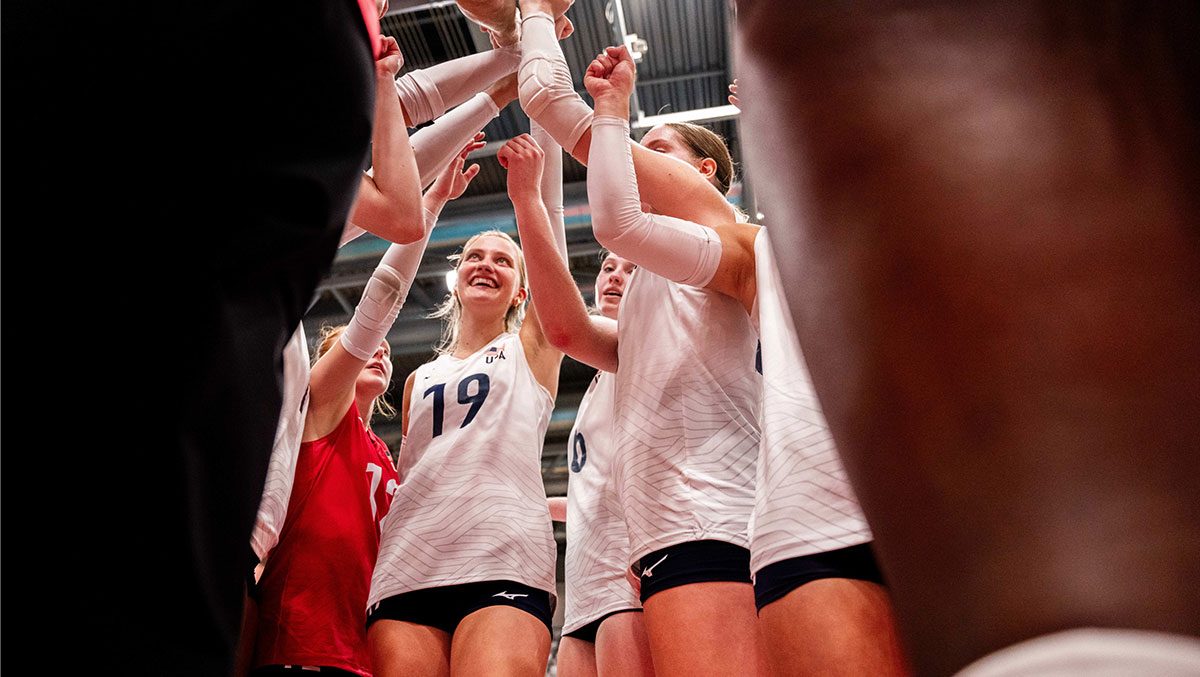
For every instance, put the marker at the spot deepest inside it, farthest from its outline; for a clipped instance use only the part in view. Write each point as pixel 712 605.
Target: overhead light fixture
pixel 451 279
pixel 697 116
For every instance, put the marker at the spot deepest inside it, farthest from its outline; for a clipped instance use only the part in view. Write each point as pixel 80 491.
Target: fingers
pixel 620 53
pixel 473 145
pixel 519 148
pixel 733 97
pixel 471 173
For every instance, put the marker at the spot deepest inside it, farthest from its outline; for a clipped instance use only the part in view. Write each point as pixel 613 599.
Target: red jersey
pixel 313 590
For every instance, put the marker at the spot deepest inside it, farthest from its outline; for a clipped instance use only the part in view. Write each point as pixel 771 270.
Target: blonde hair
pixel 325 341
pixel 451 308
pixel 705 143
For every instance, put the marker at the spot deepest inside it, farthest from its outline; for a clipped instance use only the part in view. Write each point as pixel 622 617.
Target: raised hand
pixel 611 74
pixel 522 157
pixel 390 58
pixel 453 181
pixel 497 17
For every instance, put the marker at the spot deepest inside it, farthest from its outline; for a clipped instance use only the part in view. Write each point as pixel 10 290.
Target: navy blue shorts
pixel 692 562
pixel 774 581
pixel 588 632
pixel 445 607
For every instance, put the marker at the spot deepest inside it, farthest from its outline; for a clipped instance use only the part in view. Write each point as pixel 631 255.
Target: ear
pixel 707 167
pixel 522 294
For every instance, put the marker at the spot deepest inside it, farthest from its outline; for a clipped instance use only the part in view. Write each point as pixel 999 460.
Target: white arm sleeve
pixel 436 144
pixel 385 294
pixel 678 250
pixel 546 89
pixel 552 184
pixel 428 93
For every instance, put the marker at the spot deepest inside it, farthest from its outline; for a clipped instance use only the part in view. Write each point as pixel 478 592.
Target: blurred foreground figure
pixel 984 215
pixel 192 165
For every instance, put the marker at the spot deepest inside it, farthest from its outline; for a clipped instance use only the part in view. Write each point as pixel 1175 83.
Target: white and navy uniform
pixel 804 504
pixel 471 506
pixel 281 472
pixel 685 421
pixel 597 543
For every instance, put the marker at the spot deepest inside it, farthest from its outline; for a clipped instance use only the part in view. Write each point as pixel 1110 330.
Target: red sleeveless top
pixel 313 590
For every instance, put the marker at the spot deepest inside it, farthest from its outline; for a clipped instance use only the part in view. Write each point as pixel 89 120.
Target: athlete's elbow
pixel 559 337
pixel 605 229
pixel 403 225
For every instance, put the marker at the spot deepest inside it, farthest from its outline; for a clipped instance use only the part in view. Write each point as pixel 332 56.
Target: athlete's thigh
pixel 402 649
pixel 703 629
pixel 832 626
pixel 622 648
pixel 576 658
pixel 500 641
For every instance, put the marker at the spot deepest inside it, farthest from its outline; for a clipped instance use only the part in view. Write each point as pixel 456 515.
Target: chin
pixel 483 300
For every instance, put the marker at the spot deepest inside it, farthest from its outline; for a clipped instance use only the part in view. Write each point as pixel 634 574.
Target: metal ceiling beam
pixel 406 6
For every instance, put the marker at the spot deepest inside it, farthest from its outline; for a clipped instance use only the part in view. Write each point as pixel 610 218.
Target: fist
pixel 390 59
pixel 522 157
pixel 611 73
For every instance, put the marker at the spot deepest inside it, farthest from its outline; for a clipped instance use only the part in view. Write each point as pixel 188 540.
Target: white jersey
pixel 805 504
pixel 281 472
pixel 686 415
pixel 471 505
pixel 597 543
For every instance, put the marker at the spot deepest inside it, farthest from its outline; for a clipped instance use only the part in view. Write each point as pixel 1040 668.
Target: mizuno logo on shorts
pixel 510 595
pixel 649 571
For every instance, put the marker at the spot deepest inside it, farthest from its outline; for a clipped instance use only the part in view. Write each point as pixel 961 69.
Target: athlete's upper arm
pixel 404 402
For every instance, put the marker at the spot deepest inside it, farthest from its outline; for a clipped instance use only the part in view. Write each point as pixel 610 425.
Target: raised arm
pixel 523 160
pixel 719 256
pixel 562 316
pixel 389 198
pixel 548 96
pixel 428 93
pixel 436 144
pixel 331 384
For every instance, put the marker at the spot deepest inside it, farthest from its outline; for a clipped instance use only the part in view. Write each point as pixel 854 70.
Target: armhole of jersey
pixel 350 415
pixel 549 400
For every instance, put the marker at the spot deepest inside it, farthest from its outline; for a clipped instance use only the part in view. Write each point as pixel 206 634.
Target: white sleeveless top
pixel 281 472
pixel 471 505
pixel 805 504
pixel 597 543
pixel 686 416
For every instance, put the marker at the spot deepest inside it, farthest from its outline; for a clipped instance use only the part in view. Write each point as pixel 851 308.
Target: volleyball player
pixel 464 581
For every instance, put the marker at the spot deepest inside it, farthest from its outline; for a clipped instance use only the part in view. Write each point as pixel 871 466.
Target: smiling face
pixel 490 275
pixel 610 284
